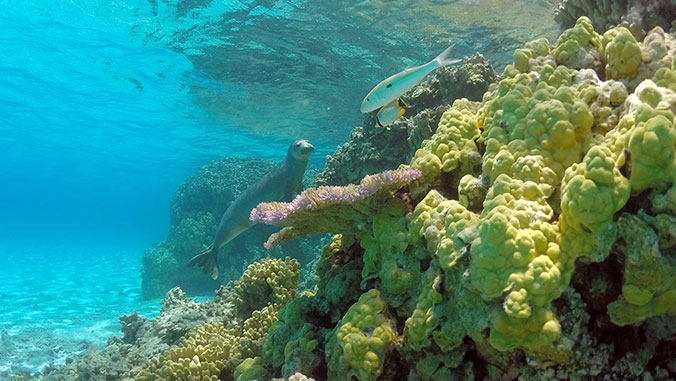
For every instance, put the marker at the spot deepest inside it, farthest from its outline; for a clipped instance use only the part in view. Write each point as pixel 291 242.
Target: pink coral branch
pixel 275 213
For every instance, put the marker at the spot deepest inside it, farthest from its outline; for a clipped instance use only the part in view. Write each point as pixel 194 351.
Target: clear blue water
pixel 105 107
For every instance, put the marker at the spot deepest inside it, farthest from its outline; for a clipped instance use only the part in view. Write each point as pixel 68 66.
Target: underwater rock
pixel 373 149
pixel 196 209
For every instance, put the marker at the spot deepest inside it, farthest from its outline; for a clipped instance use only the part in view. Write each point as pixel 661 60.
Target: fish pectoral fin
pixel 401 112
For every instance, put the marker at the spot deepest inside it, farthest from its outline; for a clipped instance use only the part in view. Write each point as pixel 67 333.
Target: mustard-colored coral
pixel 270 281
pixel 364 337
pixel 453 145
pixel 594 190
pixel 651 144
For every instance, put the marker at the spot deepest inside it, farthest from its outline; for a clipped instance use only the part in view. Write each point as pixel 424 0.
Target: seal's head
pixel 301 150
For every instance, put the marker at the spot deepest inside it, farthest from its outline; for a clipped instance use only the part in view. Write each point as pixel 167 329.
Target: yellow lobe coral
pixel 453 144
pixel 548 127
pixel 594 190
pixel 269 281
pixel 621 52
pixel 364 337
pixel 651 144
pixel 536 333
pixel 576 47
pixel 533 49
pixel 514 230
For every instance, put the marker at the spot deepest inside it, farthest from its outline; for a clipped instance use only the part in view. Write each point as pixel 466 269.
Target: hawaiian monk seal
pixel 280 184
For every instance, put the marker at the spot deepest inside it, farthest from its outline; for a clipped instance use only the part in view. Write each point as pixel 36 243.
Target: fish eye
pixel 368 99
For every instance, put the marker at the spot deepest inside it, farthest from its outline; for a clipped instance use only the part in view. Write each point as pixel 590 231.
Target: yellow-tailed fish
pixel 395 86
pixel 390 112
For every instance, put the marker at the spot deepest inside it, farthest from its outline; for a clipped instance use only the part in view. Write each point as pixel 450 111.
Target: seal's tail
pixel 207 259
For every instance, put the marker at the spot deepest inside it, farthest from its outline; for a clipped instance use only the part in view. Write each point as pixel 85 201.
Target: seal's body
pixel 280 184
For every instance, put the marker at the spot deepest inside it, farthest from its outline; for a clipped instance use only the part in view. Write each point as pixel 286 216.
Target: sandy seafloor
pixel 57 300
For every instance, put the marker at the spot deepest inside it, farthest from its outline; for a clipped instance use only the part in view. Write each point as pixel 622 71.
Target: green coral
pixel 574 46
pixel 362 339
pixel 292 343
pixel 650 277
pixel 424 320
pixel 385 251
pixel 251 369
pixel 621 53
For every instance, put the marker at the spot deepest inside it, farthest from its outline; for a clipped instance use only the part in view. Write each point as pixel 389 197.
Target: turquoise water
pixel 105 107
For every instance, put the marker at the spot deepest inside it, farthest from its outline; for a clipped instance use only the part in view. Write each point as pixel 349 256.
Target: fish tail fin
pixel 207 259
pixel 444 58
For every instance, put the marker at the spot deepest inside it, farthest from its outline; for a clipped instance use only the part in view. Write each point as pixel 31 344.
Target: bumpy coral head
pixel 300 149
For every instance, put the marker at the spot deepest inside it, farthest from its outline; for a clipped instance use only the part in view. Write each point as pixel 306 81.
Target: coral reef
pixel 373 149
pixel 545 207
pixel 637 15
pixel 196 209
pixel 532 236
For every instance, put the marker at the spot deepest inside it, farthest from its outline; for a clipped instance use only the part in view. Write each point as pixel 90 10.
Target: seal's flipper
pixel 207 259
